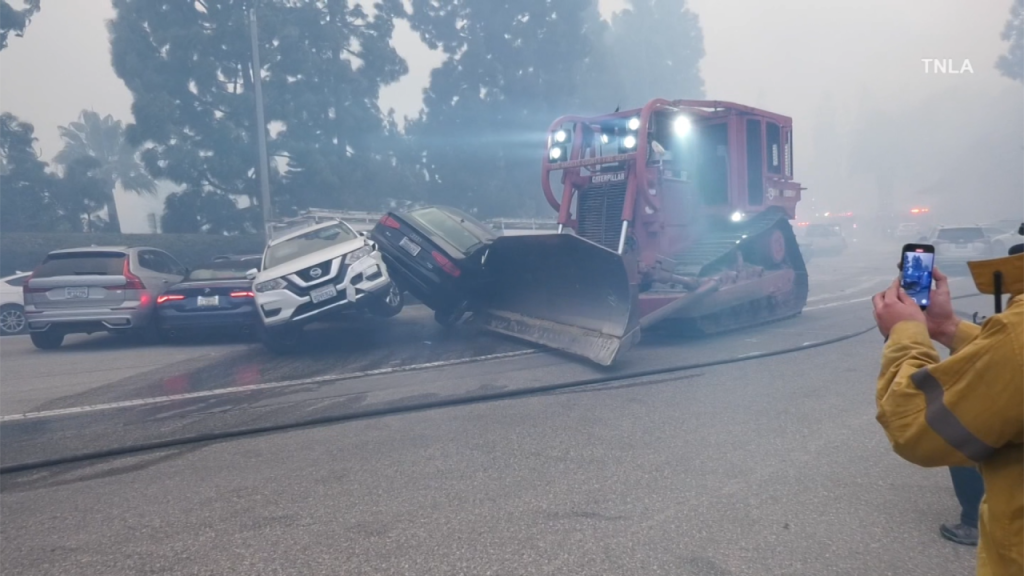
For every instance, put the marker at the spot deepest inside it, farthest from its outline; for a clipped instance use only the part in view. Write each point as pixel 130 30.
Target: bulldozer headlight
pixel 682 126
pixel 629 142
pixel 634 123
pixel 604 138
pixel 561 136
pixel 736 216
pixel 555 153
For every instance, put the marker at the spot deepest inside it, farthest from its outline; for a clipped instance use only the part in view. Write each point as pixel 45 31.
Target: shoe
pixel 960 533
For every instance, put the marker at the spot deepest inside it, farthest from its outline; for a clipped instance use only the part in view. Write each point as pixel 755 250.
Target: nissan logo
pixel 316 272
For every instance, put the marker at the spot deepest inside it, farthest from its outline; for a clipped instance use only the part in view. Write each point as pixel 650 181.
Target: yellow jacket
pixel 967 410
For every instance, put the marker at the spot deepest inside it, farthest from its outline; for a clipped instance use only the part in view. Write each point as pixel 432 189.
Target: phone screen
pixel 916 278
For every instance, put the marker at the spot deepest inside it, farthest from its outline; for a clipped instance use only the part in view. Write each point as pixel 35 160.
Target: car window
pixel 81 264
pixel 151 260
pixel 171 263
pixel 478 228
pixel 449 227
pixel 308 243
pixel 960 235
pixel 220 270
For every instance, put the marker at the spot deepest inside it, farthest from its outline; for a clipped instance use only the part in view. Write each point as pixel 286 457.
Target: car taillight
pixel 131 281
pixel 446 264
pixel 242 294
pixel 390 222
pixel 169 298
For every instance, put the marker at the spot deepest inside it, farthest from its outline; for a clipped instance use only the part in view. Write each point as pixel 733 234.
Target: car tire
pixel 47 340
pixel 12 320
pixel 281 341
pixel 449 318
pixel 389 304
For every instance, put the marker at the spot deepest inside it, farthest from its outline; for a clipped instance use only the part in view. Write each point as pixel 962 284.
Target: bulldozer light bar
pixel 446 264
pixel 390 222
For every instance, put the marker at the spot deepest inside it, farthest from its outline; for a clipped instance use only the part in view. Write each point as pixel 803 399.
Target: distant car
pixel 213 297
pixel 1001 244
pixel 315 272
pixel 957 245
pixel 12 304
pixel 826 239
pixel 434 253
pixel 97 289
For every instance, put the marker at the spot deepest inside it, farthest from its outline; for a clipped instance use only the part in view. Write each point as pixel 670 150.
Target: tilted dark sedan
pixel 435 254
pixel 213 297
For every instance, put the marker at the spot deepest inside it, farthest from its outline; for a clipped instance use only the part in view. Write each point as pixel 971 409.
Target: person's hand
pixel 893 306
pixel 942 320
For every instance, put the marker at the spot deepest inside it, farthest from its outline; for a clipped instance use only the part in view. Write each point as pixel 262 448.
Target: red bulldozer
pixel 673 214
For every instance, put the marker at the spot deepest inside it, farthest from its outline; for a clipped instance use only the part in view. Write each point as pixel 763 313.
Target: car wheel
pixel 282 340
pixel 449 318
pixel 390 304
pixel 12 319
pixel 47 340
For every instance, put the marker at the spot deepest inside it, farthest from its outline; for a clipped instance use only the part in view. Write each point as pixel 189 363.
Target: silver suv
pixel 955 246
pixel 315 272
pixel 97 289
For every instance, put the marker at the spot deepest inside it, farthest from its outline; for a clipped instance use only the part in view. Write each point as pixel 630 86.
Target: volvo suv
pixel 314 273
pixel 97 289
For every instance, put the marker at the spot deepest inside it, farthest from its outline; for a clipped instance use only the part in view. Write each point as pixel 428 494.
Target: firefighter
pixel 967 410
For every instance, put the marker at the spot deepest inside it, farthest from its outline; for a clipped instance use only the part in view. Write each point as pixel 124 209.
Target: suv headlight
pixel 275 284
pixel 358 255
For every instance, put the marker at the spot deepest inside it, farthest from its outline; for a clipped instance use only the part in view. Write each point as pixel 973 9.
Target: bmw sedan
pixel 213 297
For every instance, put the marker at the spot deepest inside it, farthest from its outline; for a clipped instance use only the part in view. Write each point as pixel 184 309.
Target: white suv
pixel 309 274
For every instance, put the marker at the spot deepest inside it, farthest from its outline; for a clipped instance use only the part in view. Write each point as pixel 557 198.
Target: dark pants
pixel 969 489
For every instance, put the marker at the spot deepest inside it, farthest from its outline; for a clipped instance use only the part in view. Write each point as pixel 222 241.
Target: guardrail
pixel 366 220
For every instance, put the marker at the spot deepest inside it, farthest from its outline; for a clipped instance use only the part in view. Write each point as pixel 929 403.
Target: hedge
pixel 24 251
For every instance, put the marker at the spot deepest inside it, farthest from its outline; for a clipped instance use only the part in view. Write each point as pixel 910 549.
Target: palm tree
pixel 103 139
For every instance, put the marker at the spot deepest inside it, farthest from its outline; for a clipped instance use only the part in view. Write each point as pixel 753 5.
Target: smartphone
pixel 916 266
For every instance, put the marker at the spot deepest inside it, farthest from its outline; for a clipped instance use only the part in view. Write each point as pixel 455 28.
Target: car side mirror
pixel 362 233
pixel 251 274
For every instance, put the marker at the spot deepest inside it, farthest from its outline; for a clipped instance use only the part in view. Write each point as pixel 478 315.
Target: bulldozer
pixel 673 215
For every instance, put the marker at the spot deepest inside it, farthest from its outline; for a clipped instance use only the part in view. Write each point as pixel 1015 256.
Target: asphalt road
pixel 762 466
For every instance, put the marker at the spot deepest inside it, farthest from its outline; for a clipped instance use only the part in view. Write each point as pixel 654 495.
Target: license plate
pixel 410 246
pixel 324 293
pixel 77 292
pixel 209 300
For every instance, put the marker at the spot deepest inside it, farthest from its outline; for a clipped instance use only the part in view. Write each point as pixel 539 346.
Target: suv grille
pixel 600 213
pixel 304 275
pixel 307 276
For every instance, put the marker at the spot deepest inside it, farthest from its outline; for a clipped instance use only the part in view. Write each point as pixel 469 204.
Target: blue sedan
pixel 213 297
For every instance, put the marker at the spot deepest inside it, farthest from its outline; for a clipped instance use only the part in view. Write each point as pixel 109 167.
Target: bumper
pixel 212 320
pixel 87 320
pixel 362 280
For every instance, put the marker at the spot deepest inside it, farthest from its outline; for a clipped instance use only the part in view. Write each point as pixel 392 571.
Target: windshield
pixel 307 243
pixel 460 230
pixel 960 235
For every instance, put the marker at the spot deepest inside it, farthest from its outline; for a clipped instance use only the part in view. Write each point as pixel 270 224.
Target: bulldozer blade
pixel 559 291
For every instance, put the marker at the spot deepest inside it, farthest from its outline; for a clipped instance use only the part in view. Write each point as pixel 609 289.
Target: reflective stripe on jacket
pixel 966 410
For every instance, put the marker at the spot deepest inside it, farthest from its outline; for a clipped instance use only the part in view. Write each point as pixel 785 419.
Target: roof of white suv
pixel 307 230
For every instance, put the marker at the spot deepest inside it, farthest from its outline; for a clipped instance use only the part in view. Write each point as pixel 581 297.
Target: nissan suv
pixel 97 289
pixel 313 273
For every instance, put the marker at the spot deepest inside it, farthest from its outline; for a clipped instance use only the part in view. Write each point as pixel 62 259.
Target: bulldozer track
pixel 718 252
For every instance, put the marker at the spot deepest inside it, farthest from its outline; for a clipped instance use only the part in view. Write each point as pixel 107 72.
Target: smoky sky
pixel 834 66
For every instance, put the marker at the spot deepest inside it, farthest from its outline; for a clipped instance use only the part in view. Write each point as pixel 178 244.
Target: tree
pixel 13 20
pixel 188 67
pixel 102 138
pixel 25 185
pixel 1011 64
pixel 656 48
pixel 513 67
